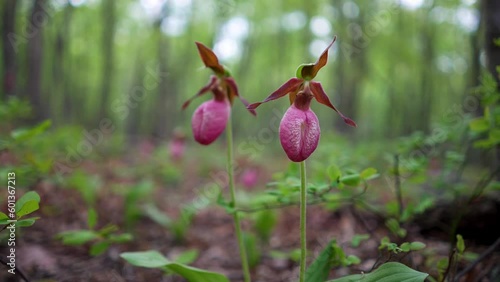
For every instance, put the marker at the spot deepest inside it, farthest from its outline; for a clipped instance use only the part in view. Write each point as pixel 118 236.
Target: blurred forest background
pixel 91 119
pixel 397 66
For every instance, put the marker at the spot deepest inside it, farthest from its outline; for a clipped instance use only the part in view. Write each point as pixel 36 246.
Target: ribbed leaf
pixel 153 259
pixel 388 272
pixel 320 268
pixel 30 196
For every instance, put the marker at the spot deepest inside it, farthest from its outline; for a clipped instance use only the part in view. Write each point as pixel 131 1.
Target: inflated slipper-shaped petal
pixel 209 120
pixel 299 133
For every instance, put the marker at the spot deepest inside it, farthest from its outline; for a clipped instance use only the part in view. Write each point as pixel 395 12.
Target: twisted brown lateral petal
pixel 234 91
pixel 291 85
pixel 322 98
pixel 211 84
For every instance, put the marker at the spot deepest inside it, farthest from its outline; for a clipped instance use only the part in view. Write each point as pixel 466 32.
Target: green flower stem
pixel 236 216
pixel 303 206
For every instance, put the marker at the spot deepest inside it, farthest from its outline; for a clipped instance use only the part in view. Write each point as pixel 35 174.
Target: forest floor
pixel 44 258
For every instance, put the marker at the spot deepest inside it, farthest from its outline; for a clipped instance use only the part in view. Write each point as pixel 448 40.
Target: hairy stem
pixel 303 207
pixel 236 216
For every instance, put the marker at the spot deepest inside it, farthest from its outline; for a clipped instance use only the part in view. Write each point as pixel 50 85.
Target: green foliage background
pixel 393 69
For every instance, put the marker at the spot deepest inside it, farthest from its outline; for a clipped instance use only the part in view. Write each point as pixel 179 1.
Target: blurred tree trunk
pixel 60 73
pixel 108 32
pixel 163 119
pixel 424 110
pixel 351 66
pixel 475 43
pixel 492 32
pixel 133 122
pixel 280 54
pixel 65 39
pixel 9 53
pixel 34 59
pixel 394 125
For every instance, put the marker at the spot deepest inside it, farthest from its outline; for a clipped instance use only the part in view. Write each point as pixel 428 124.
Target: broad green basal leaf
pixel 78 237
pixel 320 268
pixel 388 272
pixel 149 259
pixel 154 259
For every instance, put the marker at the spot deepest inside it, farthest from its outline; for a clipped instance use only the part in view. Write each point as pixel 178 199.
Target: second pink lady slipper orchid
pixel 210 118
pixel 299 128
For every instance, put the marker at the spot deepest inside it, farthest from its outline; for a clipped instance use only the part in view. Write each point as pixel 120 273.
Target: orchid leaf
pixel 154 259
pixel 320 268
pixel 388 272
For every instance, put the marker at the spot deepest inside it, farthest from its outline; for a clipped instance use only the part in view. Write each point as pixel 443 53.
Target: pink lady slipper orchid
pixel 177 146
pixel 210 118
pixel 299 128
pixel 250 177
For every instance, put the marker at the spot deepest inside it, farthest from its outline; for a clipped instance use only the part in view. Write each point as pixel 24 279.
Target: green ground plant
pixel 98 239
pixel 12 221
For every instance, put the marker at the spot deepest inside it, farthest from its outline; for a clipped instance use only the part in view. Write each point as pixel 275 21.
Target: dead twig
pixel 481 257
pixel 17 270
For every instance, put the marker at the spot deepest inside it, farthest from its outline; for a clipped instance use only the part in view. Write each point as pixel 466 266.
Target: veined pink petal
pixel 209 120
pixel 299 133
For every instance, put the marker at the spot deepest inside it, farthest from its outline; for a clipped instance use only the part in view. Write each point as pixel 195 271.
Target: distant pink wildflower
pixel 250 177
pixel 177 145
